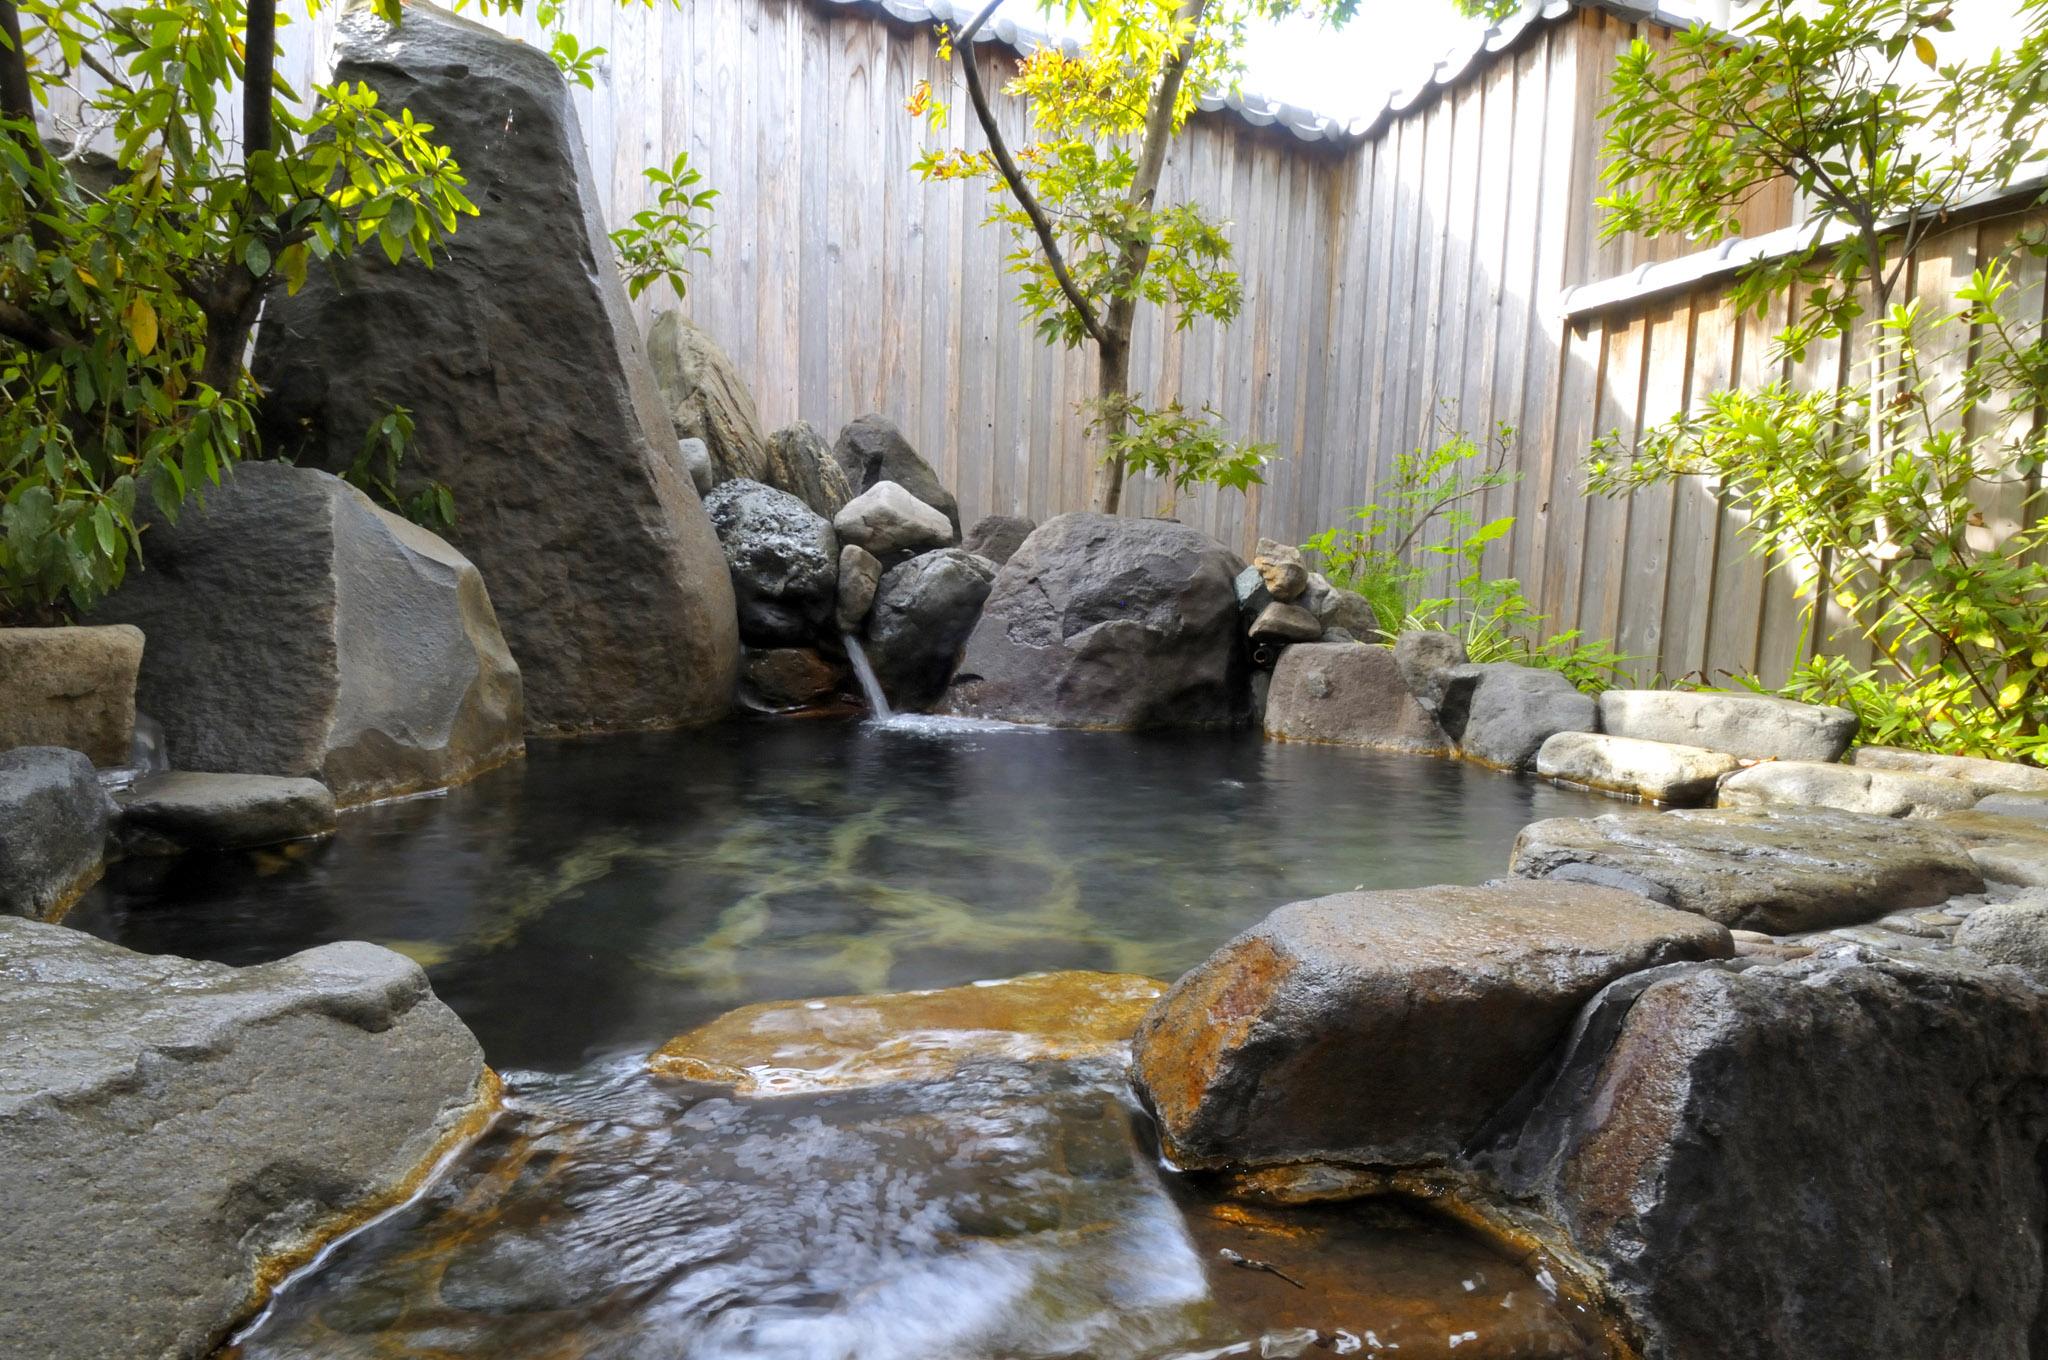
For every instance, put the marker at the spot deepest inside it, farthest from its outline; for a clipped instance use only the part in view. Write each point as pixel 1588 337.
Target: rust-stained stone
pixel 847 1042
pixel 1385 1028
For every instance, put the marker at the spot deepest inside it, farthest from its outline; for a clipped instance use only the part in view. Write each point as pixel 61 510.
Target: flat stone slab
pixel 1851 788
pixel 1778 871
pixel 2028 807
pixel 1388 1027
pixel 1752 726
pixel 2020 863
pixel 187 810
pixel 54 820
pixel 1656 771
pixel 1985 776
pixel 1348 695
pixel 780 1048
pixel 174 1132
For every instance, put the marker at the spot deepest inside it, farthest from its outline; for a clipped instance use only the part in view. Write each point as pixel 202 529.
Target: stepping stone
pixel 1388 1027
pixel 175 1132
pixel 1851 788
pixel 1348 695
pixel 1985 776
pixel 2010 932
pixel 186 810
pixel 1752 726
pixel 1778 871
pixel 2021 863
pixel 2028 807
pixel 1656 771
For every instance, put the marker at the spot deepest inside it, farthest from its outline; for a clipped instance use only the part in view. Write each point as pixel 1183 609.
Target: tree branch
pixel 1136 253
pixel 1048 240
pixel 19 325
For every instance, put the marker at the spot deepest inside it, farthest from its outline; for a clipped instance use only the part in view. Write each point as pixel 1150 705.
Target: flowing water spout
pixel 878 702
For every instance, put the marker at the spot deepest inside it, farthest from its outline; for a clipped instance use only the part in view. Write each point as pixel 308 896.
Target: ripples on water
pixel 581 907
pixel 1009 1211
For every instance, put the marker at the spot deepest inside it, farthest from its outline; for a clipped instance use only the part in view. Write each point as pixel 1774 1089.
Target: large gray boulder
pixel 1777 871
pixel 784 560
pixel 1852 788
pixel 1388 1028
pixel 1350 695
pixel 54 820
pixel 1427 658
pixel 530 392
pixel 296 629
pixel 70 687
pixel 1102 621
pixel 801 463
pixel 1833 1162
pixel 1500 714
pixel 923 612
pixel 871 449
pixel 1655 771
pixel 706 397
pixel 177 1133
pixel 1752 726
pixel 181 810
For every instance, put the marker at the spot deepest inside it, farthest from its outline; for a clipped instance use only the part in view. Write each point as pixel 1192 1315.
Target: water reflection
pixel 1008 1211
pixel 604 895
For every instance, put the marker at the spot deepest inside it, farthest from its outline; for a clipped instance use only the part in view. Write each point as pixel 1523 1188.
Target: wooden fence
pixel 1393 281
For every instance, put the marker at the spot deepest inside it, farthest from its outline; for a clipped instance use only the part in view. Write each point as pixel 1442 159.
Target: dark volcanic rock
pixel 1833 1162
pixel 54 819
pixel 1101 621
pixel 531 395
pixel 923 612
pixel 997 537
pixel 1779 871
pixel 801 463
pixel 784 560
pixel 707 399
pixel 871 449
pixel 170 1128
pixel 179 809
pixel 1387 1028
pixel 295 629
pixel 1501 714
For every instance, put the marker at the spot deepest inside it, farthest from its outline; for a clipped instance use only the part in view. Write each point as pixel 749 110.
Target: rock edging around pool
pixel 180 1136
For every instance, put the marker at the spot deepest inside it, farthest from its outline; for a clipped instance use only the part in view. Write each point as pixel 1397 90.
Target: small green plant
pixel 375 473
pixel 660 243
pixel 1387 557
pixel 1179 447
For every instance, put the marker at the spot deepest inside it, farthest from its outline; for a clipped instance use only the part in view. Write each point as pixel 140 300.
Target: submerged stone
pixel 1387 1028
pixel 177 1133
pixel 779 1048
pixel 184 810
pixel 1778 870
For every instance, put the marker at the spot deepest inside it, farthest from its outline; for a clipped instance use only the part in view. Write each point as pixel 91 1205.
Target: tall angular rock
pixel 801 463
pixel 296 629
pixel 707 399
pixel 531 395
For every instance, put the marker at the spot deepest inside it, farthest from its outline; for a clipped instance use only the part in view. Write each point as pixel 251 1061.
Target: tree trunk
pixel 1113 392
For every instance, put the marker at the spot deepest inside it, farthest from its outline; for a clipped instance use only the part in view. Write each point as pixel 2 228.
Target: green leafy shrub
pixel 1883 479
pixel 1388 553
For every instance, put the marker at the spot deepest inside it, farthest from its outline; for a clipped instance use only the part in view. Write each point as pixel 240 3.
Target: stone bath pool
pixel 581 907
